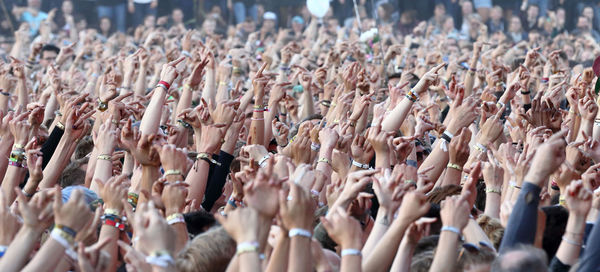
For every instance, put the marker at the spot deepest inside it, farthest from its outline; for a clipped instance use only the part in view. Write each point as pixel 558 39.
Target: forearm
pixel 185 100
pixel 197 178
pixel 4 102
pixel 587 127
pixel 403 257
pixel 112 247
pixel 58 162
pixel 103 169
pixel 382 223
pixel 47 257
pixel 19 250
pixel 139 88
pixel 383 255
pixel 475 235
pixel 91 170
pixel 208 93
pixel 6 144
pixel 257 126
pixel 521 227
pixel 300 255
pixel 14 176
pixel 308 105
pixel 568 253
pixel 382 159
pixel 279 256
pixel 394 120
pixel 149 175
pixel 438 159
pixel 327 153
pixel 151 119
pixel 492 204
pixel 452 176
pixel 446 253
pixel 23 96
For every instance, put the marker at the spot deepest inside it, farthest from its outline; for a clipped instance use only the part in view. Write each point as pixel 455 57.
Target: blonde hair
pixel 208 252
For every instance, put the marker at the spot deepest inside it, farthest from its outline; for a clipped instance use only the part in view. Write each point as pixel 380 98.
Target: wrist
pixel 352 244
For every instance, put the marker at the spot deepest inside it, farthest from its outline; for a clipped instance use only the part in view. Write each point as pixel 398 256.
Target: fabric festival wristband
pixel 247 247
pixel 160 259
pixel 175 218
pixel 299 232
pixel 262 161
pixel 315 146
pixel 57 235
pixel 351 252
pixel 412 163
pixel 452 229
pixel 166 84
pixel 360 165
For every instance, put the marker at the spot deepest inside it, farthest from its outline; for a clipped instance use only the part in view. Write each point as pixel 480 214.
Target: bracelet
pixel 262 161
pixel 247 247
pixel 186 53
pixel 544 80
pixel 105 157
pixel 452 229
pixel 299 232
pixel 60 125
pixel 412 163
pixel 562 200
pixel 500 105
pixel 325 160
pixel 571 242
pixel 71 232
pixel 57 113
pixel 132 198
pixel 257 119
pixel 493 190
pixel 172 172
pixel 113 222
pixel 206 157
pixel 165 84
pixel 232 203
pixel 162 86
pixel 258 107
pixel 113 212
pixel 160 259
pixel 480 147
pixel 17 164
pixel 175 218
pixel 525 93
pixel 63 238
pixel 183 123
pixel 360 165
pixel 326 103
pixel 351 252
pixel 447 136
pixel 514 185
pixel 26 194
pixel 454 166
pixel 102 106
pixel 315 146
pixel 411 96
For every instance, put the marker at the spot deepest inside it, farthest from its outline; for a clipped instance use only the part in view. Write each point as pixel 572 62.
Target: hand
pixel 154 232
pixel 297 210
pixel 380 140
pixel 549 156
pixel 463 113
pixel 389 190
pixel 262 193
pixel 75 213
pixel 428 79
pixel 414 205
pixel 328 137
pixel 591 177
pixel 418 230
pixel 169 71
pixel 173 197
pixel 172 158
pixel 455 211
pixel 402 147
pixel 300 148
pixel 37 212
pixel 361 150
pixel 20 128
pixel 93 258
pixel 242 224
pixel 77 125
pixel 34 163
pixel 114 191
pixel 491 128
pixel 459 147
pixel 280 132
pixel 108 136
pixel 493 174
pixel 210 140
pixel 343 229
pixel 10 222
pixel 579 199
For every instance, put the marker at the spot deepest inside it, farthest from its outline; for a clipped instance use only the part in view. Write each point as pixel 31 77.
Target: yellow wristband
pixel 454 166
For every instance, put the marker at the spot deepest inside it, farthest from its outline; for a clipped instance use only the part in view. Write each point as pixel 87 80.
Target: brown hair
pixel 440 193
pixel 208 252
pixel 492 228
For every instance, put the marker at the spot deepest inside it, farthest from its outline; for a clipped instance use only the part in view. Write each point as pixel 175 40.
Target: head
pixel 524 258
pixel 493 229
pixel 210 251
pixel 105 25
pixel 177 16
pixel 496 13
pixel 297 24
pixel 209 26
pixel 439 10
pixel 149 21
pixel 448 23
pixel 269 21
pixel 67 7
pixel 385 10
pixel 533 11
pixel 34 4
pixel 515 24
pixel 561 15
pixel 583 23
pixel 48 54
pixel 249 25
pixel 466 8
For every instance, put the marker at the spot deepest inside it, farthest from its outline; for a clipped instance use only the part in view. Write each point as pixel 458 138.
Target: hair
pixel 422 262
pixel 440 193
pixel 72 175
pixel 428 243
pixel 84 147
pixel 532 260
pixel 208 252
pixel 50 47
pixel 556 222
pixel 483 256
pixel 198 222
pixel 493 229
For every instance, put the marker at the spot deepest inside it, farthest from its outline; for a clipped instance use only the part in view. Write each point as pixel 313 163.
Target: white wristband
pixel 262 161
pixel 299 232
pixel 351 252
pixel 360 165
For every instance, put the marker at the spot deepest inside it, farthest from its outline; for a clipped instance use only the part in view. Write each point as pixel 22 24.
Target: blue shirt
pixel 34 22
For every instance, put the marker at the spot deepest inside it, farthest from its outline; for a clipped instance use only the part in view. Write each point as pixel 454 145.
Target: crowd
pixel 252 135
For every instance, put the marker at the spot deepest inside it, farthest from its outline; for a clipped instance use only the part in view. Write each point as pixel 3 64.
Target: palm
pixel 263 197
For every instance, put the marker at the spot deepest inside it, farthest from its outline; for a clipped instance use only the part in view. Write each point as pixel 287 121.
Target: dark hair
pixel 72 175
pixel 440 193
pixel 198 222
pixel 50 47
pixel 556 222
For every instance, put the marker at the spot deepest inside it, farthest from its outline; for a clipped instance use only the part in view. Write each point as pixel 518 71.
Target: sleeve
pixel 522 224
pixel 50 145
pixel 557 266
pixel 590 261
pixel 216 180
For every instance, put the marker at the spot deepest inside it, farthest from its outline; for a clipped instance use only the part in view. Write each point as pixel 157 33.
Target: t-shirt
pixel 33 21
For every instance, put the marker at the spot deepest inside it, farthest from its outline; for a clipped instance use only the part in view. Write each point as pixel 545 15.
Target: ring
pixel 289 198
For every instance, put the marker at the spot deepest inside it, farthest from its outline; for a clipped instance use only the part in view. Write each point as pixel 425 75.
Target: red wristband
pixel 165 83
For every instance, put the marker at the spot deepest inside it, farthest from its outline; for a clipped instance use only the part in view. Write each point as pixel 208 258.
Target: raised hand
pixel 296 209
pixel 455 211
pixel 578 198
pixel 343 229
pixel 75 213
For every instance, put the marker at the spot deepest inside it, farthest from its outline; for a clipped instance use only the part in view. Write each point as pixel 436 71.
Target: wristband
pixel 452 229
pixel 447 136
pixel 351 252
pixel 205 157
pixel 232 203
pixel 105 157
pixel 480 147
pixel 60 125
pixel 186 53
pixel 525 93
pixel 299 232
pixel 173 172
pixel 113 212
pixel 160 259
pixel 17 164
pixel 360 165
pixel 102 106
pixel 114 223
pixel 315 146
pixel 571 242
pixel 412 163
pixel 262 161
pixel 411 96
pixel 493 190
pixel 500 105
pixel 325 160
pixel 247 247
pixel 175 218
pixel 454 166
pixel 66 229
pixel 132 198
pixel 165 84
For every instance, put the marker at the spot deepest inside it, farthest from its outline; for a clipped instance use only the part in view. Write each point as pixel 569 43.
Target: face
pixel 177 16
pixel 105 24
pixel 47 58
pixel 582 22
pixel 249 26
pixel 588 12
pixel 34 3
pixel 560 15
pixel 439 10
pixel 515 24
pixel 448 24
pixel 149 21
pixel 297 27
pixel 496 13
pixel 467 8
pixel 533 12
pixel 209 26
pixel 67 7
pixel 269 25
